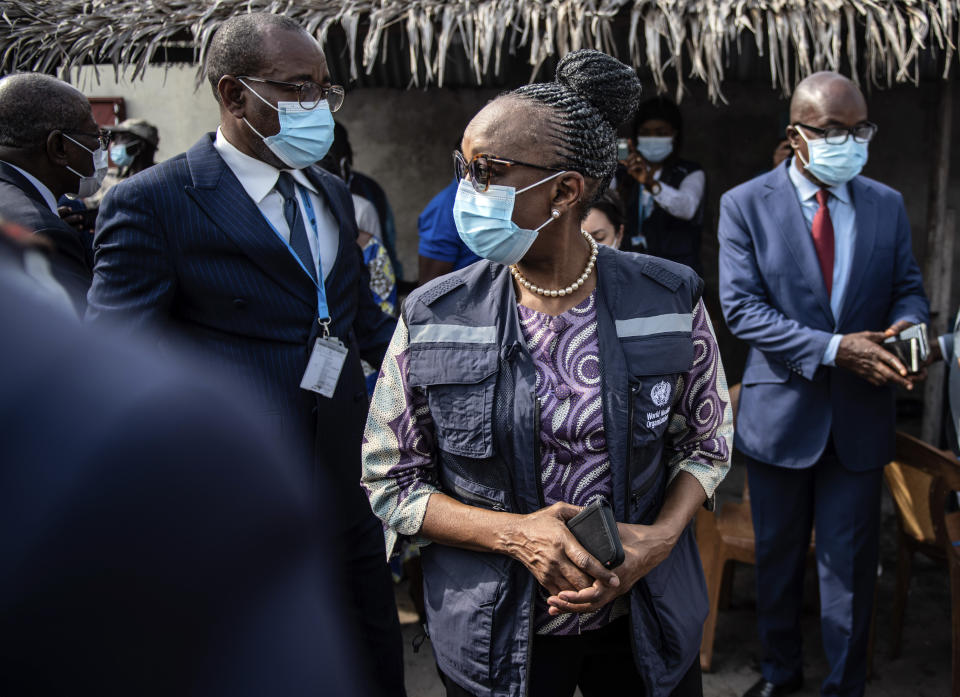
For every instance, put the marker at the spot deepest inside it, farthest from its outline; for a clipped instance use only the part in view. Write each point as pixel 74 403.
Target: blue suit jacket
pixel 21 203
pixel 774 298
pixel 182 244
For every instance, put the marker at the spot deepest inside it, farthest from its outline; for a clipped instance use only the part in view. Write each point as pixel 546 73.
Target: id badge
pixel 323 369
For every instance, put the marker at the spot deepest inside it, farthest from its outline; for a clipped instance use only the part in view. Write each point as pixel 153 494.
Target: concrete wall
pixel 404 138
pixel 166 98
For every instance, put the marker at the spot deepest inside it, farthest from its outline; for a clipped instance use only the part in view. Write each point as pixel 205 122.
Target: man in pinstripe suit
pixel 230 248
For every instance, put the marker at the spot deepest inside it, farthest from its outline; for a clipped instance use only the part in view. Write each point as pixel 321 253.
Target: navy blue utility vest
pixel 468 353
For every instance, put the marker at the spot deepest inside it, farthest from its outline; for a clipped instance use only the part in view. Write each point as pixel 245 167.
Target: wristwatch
pixel 655 188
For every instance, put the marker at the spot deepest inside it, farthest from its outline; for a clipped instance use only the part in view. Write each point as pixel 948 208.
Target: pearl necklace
pixel 562 291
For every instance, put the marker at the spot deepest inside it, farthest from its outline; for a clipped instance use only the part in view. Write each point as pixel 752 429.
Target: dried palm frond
pixel 878 41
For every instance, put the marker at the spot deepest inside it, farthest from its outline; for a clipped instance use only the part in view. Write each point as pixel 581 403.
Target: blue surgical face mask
pixel 121 155
pixel 834 164
pixel 90 183
pixel 305 135
pixel 485 221
pixel 655 148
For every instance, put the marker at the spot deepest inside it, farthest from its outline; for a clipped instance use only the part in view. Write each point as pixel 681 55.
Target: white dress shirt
pixel 843 215
pixel 682 201
pixel 259 180
pixel 40 186
pixel 367 218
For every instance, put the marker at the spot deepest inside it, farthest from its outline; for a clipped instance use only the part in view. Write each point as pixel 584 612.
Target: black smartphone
pixel 596 529
pixel 623 148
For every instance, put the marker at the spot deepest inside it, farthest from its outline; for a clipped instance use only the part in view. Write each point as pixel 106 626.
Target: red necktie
pixel 823 238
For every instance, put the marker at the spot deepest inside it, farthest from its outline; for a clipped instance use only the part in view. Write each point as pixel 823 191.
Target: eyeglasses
pixel 104 137
pixel 309 93
pixel 837 135
pixel 480 171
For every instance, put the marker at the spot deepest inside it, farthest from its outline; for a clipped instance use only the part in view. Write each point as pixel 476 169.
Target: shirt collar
pixel 807 190
pixel 40 186
pixel 256 176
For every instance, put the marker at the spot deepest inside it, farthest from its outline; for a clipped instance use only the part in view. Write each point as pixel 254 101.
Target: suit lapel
pixel 865 205
pixel 782 201
pixel 225 202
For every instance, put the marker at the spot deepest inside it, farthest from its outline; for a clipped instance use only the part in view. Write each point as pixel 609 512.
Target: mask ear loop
pixel 806 165
pixel 254 92
pixel 240 80
pixel 81 145
pixel 554 214
pixel 552 176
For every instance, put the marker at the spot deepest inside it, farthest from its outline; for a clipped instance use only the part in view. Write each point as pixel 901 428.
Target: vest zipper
pixel 631 412
pixel 536 450
pixel 474 497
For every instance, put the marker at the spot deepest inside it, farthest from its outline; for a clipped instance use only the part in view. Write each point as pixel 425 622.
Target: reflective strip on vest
pixel 658 324
pixel 456 333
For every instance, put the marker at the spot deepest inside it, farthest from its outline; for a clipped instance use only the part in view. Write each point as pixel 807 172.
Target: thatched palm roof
pixel 880 41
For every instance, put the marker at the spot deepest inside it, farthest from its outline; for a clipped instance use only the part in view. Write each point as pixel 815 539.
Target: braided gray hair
pixel 593 94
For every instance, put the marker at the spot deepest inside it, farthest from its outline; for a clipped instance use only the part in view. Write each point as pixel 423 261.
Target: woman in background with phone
pixel 663 193
pixel 551 376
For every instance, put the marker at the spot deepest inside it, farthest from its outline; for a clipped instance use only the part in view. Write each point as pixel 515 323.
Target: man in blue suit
pixel 246 252
pixel 815 265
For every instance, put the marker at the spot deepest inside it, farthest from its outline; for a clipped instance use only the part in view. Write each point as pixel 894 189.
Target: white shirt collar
pixel 807 190
pixel 256 176
pixel 40 186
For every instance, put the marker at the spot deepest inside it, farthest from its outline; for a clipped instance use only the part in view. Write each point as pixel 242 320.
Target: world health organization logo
pixel 660 394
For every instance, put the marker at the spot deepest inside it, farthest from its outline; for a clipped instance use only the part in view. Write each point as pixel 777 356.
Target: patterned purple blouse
pixel 574 466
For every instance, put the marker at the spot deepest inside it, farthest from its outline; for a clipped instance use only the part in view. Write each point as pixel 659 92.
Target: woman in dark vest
pixel 663 192
pixel 551 375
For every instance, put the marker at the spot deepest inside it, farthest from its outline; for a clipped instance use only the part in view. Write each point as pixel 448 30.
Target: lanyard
pixel 323 312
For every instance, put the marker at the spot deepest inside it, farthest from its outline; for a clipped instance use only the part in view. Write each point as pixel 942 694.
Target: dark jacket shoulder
pixel 628 268
pixel 455 283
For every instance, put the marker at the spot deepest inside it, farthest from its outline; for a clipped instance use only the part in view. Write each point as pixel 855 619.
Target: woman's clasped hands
pixel 576 581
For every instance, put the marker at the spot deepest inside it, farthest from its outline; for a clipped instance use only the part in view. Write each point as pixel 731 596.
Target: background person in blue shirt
pixel 441 249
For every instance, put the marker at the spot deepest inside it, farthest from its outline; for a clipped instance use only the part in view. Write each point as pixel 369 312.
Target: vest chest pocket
pixel 459 382
pixel 655 368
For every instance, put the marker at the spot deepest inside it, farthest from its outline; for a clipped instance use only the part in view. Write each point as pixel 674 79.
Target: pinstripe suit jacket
pixel 182 247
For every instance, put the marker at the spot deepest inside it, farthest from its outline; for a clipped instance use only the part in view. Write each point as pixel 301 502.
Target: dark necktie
pixel 823 238
pixel 298 231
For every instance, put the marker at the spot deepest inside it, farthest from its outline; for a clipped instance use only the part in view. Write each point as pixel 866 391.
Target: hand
pixel 896 328
pixel 862 354
pixel 932 357
pixel 71 217
pixel 638 168
pixel 542 542
pixel 363 237
pixel 644 547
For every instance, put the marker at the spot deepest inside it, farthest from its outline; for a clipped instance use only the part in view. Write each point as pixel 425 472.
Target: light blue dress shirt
pixel 843 214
